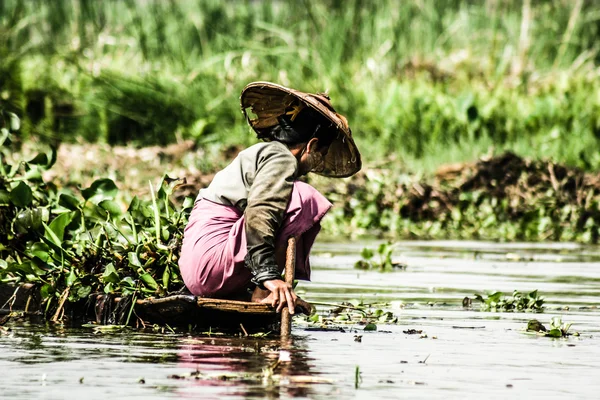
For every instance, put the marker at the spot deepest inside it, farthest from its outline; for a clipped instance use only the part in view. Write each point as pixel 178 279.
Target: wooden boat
pixel 180 310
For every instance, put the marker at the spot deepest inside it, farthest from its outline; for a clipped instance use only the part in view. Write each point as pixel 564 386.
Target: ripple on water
pixel 461 353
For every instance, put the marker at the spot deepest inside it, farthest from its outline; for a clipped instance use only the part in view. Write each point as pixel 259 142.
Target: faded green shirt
pixel 259 183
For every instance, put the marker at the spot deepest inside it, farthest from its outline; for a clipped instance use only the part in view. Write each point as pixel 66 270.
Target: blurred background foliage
pixel 425 82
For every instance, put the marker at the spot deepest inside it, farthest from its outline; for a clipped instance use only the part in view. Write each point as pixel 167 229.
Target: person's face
pixel 311 158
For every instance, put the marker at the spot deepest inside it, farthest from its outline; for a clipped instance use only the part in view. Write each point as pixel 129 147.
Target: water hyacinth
pixel 71 245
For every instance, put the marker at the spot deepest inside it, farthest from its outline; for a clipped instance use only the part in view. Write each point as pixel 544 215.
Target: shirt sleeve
pixel 268 198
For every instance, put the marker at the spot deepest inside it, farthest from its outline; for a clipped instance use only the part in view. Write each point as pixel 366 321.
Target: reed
pixel 427 81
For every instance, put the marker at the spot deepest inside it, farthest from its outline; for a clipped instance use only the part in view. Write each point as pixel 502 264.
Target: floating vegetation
pixel 352 313
pixel 497 302
pixel 500 197
pixel 384 262
pixel 71 245
pixel 557 328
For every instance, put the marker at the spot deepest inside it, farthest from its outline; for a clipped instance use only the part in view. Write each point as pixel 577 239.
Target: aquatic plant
pixel 497 302
pixel 502 197
pixel 384 263
pixel 354 312
pixel 74 244
pixel 558 328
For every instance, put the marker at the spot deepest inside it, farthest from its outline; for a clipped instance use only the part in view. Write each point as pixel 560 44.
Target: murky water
pixel 466 354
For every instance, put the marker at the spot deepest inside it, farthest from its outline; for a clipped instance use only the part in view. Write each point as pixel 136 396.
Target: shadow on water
pixel 436 350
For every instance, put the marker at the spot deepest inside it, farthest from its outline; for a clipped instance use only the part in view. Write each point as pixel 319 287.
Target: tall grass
pixel 427 81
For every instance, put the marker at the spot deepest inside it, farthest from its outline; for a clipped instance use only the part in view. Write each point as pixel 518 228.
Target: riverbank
pixel 425 82
pixel 498 197
pixel 98 219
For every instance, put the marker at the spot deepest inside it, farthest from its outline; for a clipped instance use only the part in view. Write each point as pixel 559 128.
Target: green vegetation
pixel 71 245
pixel 497 302
pixel 557 328
pixel 422 81
pixel 384 263
pixel 503 198
pixel 354 312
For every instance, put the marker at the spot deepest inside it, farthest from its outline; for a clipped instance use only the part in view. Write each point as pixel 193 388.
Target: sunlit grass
pixel 424 81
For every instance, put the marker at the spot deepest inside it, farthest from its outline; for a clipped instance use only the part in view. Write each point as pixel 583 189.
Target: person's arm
pixel 268 198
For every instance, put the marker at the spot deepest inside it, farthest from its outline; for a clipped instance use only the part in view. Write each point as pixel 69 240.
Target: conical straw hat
pixel 267 101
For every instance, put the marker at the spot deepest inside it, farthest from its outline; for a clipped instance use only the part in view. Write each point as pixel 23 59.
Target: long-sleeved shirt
pixel 259 183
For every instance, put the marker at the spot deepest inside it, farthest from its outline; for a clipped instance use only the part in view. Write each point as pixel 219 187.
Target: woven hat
pixel 268 101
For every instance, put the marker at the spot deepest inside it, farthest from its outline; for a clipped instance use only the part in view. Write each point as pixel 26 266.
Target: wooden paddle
pixel 290 266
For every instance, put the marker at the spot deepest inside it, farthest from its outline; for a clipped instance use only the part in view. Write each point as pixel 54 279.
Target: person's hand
pixel 281 294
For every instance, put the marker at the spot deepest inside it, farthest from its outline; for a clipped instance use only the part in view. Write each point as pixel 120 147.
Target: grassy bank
pixel 424 81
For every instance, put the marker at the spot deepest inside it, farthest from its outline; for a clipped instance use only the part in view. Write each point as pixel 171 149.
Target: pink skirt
pixel 214 242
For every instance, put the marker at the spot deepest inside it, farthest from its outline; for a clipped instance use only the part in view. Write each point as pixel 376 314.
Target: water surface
pixel 460 353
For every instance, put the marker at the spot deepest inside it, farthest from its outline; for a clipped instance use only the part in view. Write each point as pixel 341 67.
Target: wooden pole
pixel 290 266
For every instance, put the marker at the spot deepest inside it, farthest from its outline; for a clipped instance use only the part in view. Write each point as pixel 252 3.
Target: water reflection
pixel 254 367
pixel 465 353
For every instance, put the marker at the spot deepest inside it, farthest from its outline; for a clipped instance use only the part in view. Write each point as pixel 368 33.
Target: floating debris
pixel 557 329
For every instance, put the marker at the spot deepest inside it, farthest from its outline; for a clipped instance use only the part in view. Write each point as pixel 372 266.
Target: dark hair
pixel 308 124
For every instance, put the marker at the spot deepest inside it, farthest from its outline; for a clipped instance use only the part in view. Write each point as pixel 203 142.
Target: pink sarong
pixel 214 242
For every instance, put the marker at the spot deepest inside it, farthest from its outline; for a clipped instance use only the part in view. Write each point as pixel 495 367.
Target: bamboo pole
pixel 290 266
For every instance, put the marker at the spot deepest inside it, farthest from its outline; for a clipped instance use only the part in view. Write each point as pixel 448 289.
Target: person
pixel 235 241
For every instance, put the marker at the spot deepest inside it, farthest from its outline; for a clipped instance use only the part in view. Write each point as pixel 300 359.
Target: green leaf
pixel 4 197
pixel 33 175
pixel 39 159
pixel 555 322
pixel 128 282
pixel 71 278
pixel 21 195
pixel 133 259
pixel 31 220
pixel 46 291
pixel 67 201
pixel 554 333
pixel 366 253
pixel 134 204
pixel 58 250
pixel 45 160
pixel 370 327
pixel 95 213
pixel 109 288
pixel 111 206
pixel 101 189
pixel 40 250
pixel 149 281
pixel 59 224
pixel 83 292
pixel 110 275
pixel 4 134
pixel 188 203
pixel 362 264
pixel 15 122
pixel 166 277
pixel 51 236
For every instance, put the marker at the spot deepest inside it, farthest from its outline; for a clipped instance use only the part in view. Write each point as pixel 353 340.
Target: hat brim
pixel 268 101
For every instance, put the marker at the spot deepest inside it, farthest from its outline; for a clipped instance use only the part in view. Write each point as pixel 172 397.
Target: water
pixel 465 354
